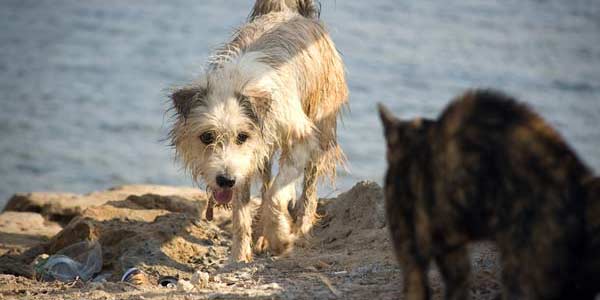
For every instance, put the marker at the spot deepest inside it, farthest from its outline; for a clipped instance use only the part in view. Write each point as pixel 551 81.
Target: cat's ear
pixel 388 120
pixel 419 126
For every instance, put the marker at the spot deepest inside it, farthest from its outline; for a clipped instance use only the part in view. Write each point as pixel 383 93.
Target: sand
pixel 159 230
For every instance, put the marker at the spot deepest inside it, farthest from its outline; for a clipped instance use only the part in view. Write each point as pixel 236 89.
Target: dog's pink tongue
pixel 223 196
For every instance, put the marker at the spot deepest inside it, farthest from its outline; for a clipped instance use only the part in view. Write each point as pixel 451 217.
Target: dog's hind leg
pixel 241 250
pixel 305 211
pixel 275 216
pixel 323 163
pixel 266 178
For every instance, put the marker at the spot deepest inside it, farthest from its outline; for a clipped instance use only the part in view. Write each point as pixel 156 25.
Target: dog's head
pixel 218 133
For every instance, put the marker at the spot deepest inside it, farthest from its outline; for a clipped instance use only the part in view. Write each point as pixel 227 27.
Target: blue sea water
pixel 83 84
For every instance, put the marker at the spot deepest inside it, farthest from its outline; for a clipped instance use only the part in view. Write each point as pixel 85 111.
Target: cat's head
pixel 402 137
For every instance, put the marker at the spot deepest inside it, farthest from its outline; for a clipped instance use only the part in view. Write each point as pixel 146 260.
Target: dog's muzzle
pixel 224 192
pixel 225 181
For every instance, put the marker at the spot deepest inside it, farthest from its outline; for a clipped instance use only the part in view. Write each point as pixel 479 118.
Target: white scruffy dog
pixel 276 87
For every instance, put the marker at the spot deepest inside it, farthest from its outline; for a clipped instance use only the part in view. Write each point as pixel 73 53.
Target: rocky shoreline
pixel 158 229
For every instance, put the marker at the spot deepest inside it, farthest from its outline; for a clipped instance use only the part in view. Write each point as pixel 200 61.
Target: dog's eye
pixel 241 138
pixel 207 137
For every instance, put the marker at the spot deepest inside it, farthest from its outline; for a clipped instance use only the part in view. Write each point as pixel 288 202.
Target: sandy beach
pixel 158 229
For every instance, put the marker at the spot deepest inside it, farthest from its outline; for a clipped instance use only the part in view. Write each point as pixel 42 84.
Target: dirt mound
pixel 157 234
pixel 354 213
pixel 62 207
pixel 23 230
pixel 362 207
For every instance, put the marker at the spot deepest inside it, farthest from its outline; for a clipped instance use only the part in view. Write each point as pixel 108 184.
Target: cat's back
pixel 491 111
pixel 494 133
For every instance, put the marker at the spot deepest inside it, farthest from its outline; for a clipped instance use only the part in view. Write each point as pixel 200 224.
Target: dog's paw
pixel 278 247
pixel 303 229
pixel 282 245
pixel 303 226
pixel 241 258
pixel 261 245
pixel 241 252
pixel 302 241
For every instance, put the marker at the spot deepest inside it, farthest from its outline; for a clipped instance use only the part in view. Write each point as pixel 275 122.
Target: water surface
pixel 83 84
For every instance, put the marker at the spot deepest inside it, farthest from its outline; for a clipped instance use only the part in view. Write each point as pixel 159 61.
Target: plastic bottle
pixel 80 260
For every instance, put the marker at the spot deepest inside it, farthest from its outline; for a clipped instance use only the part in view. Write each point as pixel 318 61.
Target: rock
pixel 200 279
pixel 62 207
pixel 184 286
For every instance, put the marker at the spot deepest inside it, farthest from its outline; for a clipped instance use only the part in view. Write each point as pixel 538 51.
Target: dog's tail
pixel 306 8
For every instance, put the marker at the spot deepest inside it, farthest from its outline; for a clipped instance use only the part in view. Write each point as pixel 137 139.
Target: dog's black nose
pixel 225 181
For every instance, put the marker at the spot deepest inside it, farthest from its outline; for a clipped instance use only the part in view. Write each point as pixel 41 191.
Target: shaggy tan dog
pixel 276 87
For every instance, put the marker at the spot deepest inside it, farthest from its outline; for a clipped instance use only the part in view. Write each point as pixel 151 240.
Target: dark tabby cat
pixel 491 168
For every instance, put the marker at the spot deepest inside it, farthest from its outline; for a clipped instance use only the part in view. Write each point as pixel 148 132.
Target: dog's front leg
pixel 260 244
pixel 242 226
pixel 277 221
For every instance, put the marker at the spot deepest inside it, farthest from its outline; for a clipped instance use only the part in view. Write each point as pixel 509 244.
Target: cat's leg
pixel 416 285
pixel 455 267
pixel 412 256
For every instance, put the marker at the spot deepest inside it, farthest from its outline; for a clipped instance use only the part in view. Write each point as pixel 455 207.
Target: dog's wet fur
pixel 491 168
pixel 276 87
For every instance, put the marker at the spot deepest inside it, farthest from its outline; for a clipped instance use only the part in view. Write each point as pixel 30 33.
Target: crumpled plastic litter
pixel 78 261
pixel 135 276
pixel 168 281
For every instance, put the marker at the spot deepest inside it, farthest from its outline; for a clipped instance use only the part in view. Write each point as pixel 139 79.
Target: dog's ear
pixel 257 104
pixel 184 99
pixel 260 100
